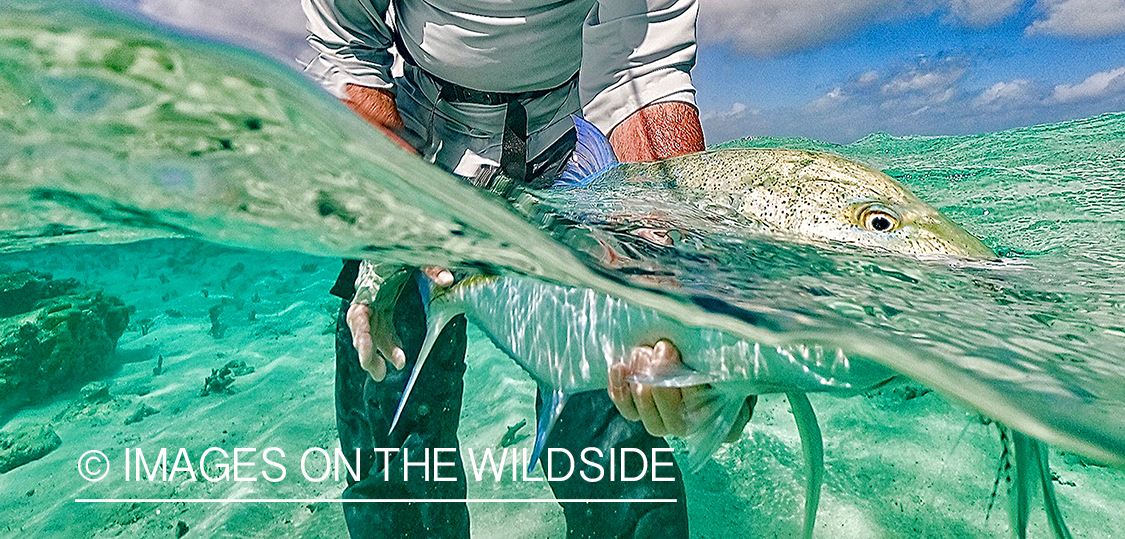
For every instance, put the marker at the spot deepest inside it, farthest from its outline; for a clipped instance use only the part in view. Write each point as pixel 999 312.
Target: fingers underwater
pixel 440 276
pixel 620 392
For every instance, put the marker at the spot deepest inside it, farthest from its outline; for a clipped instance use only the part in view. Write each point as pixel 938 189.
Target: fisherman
pixel 486 92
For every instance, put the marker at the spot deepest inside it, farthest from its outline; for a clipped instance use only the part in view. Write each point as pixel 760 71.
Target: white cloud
pixel 737 110
pixel 776 27
pixel 1005 93
pixel 1095 86
pixel 980 13
pixel 772 27
pixel 929 96
pixel 1080 18
pixel 924 81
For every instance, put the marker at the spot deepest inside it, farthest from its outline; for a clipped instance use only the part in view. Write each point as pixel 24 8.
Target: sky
pixel 833 70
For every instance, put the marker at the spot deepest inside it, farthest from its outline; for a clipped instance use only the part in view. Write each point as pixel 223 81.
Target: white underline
pixel 402 500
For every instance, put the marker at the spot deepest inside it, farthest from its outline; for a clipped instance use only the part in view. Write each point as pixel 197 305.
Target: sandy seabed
pixel 900 462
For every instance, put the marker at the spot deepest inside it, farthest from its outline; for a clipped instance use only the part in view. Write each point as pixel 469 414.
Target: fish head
pixel 828 198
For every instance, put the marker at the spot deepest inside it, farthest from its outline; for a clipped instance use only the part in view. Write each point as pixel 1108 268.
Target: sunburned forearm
pixel 658 131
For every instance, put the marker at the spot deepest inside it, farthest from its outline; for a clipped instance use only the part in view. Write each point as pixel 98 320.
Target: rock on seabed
pixel 55 335
pixel 25 445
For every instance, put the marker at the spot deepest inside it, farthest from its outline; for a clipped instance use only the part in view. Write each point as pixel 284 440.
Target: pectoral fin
pixel 592 156
pixel 1030 457
pixel 1054 514
pixel 812 446
pixel 1020 488
pixel 710 413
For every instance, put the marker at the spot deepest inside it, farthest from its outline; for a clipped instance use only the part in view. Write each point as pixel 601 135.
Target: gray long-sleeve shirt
pixel 628 53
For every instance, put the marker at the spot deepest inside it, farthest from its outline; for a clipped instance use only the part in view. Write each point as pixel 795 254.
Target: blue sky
pixel 800 68
pixel 836 70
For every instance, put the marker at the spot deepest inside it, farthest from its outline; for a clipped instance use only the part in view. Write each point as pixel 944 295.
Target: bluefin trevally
pixel 796 195
pixel 567 338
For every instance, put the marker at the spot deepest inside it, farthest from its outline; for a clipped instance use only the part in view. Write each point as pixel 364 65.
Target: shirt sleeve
pixel 353 43
pixel 636 53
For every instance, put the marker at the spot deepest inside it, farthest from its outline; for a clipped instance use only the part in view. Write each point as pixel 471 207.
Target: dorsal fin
pixel 592 156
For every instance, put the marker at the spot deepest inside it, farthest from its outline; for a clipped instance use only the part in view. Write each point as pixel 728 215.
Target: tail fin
pixel 812 445
pixel 592 155
pixel 553 403
pixel 436 320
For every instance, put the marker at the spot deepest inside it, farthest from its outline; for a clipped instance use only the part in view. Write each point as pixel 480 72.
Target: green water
pixel 111 133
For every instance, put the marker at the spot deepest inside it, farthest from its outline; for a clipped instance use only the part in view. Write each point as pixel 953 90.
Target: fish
pixel 512 436
pixel 795 195
pixel 567 338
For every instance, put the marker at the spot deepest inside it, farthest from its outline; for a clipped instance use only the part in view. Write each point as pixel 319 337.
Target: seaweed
pixel 218 328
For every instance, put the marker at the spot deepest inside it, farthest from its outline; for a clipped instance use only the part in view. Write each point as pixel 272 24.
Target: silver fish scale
pixel 567 338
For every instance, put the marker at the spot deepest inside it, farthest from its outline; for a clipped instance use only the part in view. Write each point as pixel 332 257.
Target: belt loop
pixel 513 157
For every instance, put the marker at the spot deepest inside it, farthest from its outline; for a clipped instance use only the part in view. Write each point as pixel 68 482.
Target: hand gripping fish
pixel 567 338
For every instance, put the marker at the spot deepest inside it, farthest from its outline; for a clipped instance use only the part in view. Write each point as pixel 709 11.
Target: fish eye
pixel 878 219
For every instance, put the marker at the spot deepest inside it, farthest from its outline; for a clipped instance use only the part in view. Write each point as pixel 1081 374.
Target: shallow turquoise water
pixel 109 133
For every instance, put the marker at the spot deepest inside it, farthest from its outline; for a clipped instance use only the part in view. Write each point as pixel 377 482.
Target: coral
pixel 220 379
pixel 25 445
pixel 94 402
pixel 54 335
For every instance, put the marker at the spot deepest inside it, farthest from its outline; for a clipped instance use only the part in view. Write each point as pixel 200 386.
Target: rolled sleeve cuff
pixel 616 103
pixel 334 78
pixel 636 54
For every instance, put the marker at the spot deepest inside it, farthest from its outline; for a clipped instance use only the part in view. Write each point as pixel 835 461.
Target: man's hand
pixel 373 331
pixel 661 409
pixel 657 131
pixel 377 106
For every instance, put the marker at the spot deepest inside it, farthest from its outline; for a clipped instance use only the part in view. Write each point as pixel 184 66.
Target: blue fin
pixel 812 446
pixel 425 290
pixel 553 403
pixel 592 156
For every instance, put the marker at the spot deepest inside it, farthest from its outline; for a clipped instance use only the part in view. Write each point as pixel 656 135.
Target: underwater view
pixel 174 213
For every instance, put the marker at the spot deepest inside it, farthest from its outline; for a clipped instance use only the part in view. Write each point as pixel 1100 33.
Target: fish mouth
pixel 947 239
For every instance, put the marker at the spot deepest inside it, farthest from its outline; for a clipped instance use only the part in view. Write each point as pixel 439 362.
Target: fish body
pixel 567 338
pixel 797 195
